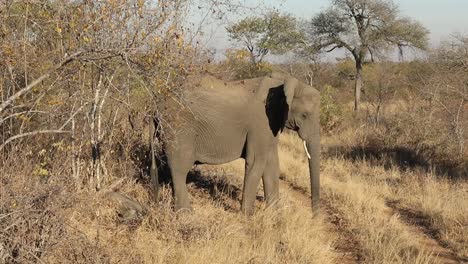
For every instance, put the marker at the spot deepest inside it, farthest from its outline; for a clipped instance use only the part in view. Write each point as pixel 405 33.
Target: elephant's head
pixel 300 112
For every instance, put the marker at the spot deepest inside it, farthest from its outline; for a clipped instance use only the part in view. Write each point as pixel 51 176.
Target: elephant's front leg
pixel 271 178
pixel 180 164
pixel 253 171
pixel 179 181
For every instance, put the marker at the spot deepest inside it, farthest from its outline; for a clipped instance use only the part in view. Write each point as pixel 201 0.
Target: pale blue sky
pixel 442 17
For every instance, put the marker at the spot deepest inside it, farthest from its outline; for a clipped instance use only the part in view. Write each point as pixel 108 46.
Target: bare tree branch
pixel 26 89
pixel 27 134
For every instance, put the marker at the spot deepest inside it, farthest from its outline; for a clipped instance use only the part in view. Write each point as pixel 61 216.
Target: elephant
pixel 223 121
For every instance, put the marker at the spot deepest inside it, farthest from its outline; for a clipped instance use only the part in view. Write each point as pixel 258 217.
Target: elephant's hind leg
pixel 253 171
pixel 271 178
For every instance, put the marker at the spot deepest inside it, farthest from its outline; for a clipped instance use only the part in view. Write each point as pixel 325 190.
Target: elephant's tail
pixel 153 168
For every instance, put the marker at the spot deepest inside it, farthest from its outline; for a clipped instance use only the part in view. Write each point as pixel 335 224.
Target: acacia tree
pixel 364 28
pixel 274 32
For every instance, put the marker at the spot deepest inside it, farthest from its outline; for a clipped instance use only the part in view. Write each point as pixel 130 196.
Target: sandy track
pixel 347 249
pixel 425 235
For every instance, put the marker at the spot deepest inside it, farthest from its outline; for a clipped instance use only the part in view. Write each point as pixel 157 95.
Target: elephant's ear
pixel 289 85
pixel 277 94
pixel 262 86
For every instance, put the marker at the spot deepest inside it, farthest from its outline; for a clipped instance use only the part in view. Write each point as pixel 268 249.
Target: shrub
pixel 239 65
pixel 331 113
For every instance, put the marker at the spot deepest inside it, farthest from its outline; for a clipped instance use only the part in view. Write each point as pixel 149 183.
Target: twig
pixel 32 134
pixel 28 87
pixel 72 116
pixel 75 164
pixel 46 131
pixel 20 113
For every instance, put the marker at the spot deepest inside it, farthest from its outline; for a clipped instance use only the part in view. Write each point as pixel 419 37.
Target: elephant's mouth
pixel 292 125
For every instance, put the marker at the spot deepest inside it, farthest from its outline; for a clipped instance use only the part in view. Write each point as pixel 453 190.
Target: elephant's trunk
pixel 313 153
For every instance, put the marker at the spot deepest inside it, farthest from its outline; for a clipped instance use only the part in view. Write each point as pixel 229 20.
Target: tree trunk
pixel 252 58
pixel 358 85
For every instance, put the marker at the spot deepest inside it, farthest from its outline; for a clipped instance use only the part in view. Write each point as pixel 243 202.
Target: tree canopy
pixel 274 32
pixel 364 28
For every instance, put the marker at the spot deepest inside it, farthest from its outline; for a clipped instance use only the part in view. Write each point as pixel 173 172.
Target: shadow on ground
pixel 219 188
pixel 210 181
pixel 401 157
pixel 424 223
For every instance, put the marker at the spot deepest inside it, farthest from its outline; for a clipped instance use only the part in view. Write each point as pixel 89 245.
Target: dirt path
pixel 346 246
pixel 347 249
pixel 425 235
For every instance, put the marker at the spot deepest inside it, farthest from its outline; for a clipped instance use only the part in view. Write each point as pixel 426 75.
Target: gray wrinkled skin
pixel 243 119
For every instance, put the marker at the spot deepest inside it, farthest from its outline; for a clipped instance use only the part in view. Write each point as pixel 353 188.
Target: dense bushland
pixel 80 80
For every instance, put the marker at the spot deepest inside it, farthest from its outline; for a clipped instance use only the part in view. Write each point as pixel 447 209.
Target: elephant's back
pixel 219 92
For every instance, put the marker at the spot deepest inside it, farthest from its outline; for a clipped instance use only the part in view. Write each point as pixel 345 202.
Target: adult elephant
pixel 221 122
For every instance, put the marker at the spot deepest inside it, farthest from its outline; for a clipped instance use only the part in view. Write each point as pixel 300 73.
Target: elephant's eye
pixel 304 115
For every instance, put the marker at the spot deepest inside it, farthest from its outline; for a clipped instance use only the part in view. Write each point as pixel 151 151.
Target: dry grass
pixel 441 204
pixel 210 235
pixel 436 202
pixel 44 218
pixel 85 227
pixel 361 191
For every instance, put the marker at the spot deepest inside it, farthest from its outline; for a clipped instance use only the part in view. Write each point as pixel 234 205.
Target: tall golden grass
pixel 44 219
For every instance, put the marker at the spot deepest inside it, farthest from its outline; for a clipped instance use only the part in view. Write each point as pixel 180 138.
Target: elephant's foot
pixel 183 209
pixel 183 213
pixel 247 210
